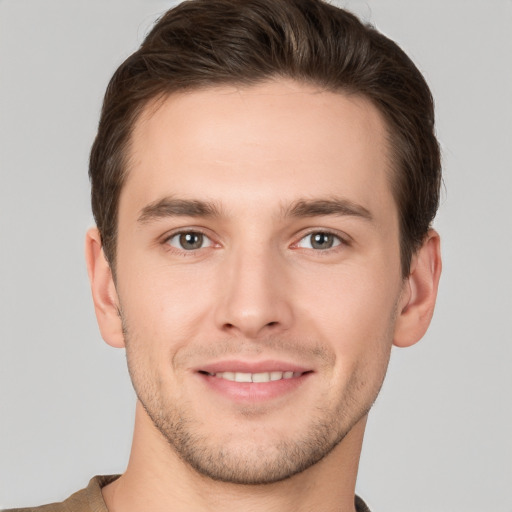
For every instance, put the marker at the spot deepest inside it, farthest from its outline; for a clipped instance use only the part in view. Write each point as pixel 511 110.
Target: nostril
pixel 251 326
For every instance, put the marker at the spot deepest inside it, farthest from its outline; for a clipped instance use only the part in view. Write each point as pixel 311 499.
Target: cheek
pixel 163 291
pixel 164 309
pixel 354 313
pixel 349 306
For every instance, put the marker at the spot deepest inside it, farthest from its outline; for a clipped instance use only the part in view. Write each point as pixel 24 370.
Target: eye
pixel 319 240
pixel 189 240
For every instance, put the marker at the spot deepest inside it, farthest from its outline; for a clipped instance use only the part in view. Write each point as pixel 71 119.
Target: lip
pixel 252 367
pixel 252 392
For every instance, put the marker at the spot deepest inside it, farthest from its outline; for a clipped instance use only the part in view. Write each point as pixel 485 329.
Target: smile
pixel 247 382
pixel 255 377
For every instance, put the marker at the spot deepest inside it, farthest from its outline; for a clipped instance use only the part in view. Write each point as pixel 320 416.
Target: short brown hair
pixel 201 43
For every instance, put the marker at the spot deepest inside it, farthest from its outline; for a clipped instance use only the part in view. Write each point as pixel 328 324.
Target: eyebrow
pixel 172 207
pixel 331 206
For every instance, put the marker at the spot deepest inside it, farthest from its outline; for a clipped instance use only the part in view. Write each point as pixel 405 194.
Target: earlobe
pixel 419 295
pixel 104 294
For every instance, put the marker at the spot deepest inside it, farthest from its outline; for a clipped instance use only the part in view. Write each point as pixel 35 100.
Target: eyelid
pixel 345 240
pixel 165 239
pixel 204 239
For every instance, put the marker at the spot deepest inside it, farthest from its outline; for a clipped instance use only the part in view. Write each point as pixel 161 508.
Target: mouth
pixel 259 377
pixel 253 382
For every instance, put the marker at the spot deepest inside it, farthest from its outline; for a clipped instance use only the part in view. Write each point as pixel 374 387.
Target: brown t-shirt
pixel 90 499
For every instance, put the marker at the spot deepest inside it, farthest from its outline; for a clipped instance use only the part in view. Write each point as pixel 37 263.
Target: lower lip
pixel 253 391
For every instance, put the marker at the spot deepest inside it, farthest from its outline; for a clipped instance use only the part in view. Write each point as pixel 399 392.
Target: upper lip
pixel 252 367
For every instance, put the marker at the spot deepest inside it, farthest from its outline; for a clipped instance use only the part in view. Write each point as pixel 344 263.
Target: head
pixel 264 178
pixel 200 44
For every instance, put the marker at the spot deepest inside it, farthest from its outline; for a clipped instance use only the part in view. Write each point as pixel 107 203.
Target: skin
pixel 272 165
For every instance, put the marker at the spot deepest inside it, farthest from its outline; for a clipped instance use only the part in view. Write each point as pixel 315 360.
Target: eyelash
pixel 343 241
pixel 184 252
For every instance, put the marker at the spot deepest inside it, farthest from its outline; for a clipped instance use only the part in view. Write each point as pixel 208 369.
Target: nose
pixel 255 296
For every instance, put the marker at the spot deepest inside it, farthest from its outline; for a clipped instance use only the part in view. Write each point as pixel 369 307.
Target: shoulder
pixel 86 500
pixel 51 507
pixel 361 506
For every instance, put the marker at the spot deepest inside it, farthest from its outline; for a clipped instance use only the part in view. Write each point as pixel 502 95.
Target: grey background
pixel 440 435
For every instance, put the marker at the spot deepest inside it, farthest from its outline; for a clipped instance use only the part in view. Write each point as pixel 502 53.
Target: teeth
pixel 261 377
pixel 243 377
pixel 255 377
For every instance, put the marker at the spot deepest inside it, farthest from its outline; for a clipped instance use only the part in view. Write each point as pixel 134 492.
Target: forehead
pixel 273 141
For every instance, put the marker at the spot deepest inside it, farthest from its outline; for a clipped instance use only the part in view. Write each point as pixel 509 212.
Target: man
pixel 264 179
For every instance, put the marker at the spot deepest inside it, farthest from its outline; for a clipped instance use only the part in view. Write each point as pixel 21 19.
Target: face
pixel 258 274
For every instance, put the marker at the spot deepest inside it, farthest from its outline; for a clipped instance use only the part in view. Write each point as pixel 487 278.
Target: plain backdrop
pixel 440 435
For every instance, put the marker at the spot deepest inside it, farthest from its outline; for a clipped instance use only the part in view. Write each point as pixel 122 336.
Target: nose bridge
pixel 253 299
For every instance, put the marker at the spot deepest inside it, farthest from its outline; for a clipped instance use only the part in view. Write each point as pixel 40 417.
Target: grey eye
pixel 189 241
pixel 319 240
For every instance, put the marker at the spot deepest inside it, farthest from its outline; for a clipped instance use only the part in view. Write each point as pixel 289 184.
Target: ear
pixel 104 294
pixel 416 305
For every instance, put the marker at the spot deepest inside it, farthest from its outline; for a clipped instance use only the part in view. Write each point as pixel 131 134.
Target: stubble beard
pixel 247 463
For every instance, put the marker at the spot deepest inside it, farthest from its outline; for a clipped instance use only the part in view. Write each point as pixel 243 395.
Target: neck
pixel 157 479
